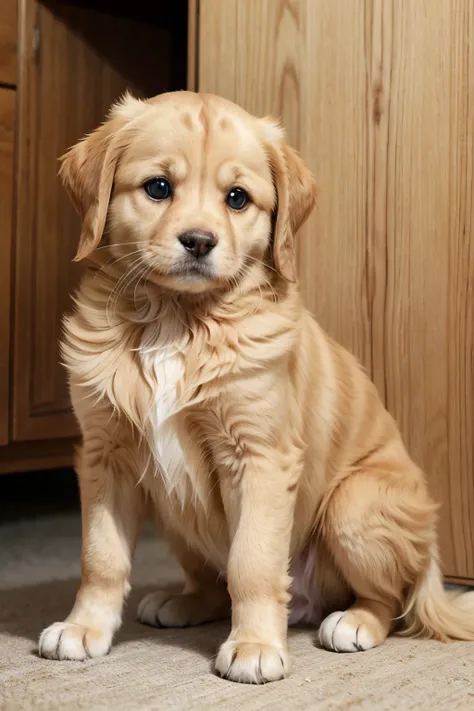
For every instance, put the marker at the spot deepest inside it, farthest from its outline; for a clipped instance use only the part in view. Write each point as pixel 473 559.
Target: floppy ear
pixel 296 198
pixel 87 172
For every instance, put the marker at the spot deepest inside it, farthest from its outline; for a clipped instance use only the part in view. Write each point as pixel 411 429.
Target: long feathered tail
pixel 431 611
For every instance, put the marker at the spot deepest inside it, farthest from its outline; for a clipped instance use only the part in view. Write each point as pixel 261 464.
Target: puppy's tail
pixel 433 612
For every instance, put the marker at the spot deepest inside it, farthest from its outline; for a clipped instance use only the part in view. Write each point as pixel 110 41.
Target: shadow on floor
pixel 26 611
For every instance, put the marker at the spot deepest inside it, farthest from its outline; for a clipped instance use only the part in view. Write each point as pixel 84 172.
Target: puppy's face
pixel 194 194
pixel 186 187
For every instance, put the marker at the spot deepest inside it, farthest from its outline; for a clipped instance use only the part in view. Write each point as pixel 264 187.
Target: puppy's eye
pixel 158 188
pixel 237 199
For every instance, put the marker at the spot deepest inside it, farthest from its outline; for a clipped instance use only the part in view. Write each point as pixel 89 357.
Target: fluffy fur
pixel 212 399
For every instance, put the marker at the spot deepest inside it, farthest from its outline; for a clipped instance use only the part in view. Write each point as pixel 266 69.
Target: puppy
pixel 207 394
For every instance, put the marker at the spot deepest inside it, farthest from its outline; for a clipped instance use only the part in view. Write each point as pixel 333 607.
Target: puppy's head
pixel 190 190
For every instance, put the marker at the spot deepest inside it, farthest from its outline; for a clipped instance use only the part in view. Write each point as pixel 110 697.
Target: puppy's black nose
pixel 198 243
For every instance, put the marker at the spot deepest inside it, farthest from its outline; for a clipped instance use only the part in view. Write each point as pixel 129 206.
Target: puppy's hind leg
pixel 379 526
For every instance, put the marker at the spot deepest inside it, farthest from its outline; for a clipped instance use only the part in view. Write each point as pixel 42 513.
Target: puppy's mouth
pixel 194 268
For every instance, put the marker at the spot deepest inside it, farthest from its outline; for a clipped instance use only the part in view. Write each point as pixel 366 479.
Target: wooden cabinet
pixel 7 133
pixel 8 41
pixel 378 97
pixel 46 226
pixel 7 126
pixel 74 59
pixel 68 79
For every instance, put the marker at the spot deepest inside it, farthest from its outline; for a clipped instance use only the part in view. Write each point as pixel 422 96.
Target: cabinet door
pixel 75 60
pixel 8 33
pixel 378 97
pixel 7 124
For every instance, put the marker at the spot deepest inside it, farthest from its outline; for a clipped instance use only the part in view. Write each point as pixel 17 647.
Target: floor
pixel 171 669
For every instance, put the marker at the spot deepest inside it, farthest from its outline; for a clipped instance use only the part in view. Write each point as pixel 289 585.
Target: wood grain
pixel 7 128
pixel 298 60
pixel 8 34
pixel 428 316
pixel 378 97
pixel 217 47
pixel 193 45
pixel 335 143
pixel 73 65
pixel 458 192
pixel 241 47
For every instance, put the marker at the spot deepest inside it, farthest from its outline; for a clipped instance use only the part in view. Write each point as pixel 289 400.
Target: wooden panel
pixel 8 33
pixel 251 53
pixel 336 128
pixel 75 61
pixel 264 55
pixel 217 47
pixel 428 316
pixel 378 97
pixel 7 124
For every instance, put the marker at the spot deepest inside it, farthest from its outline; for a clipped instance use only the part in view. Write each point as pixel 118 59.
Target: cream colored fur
pixel 218 404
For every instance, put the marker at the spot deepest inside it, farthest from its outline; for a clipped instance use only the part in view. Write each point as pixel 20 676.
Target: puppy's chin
pixel 187 284
pixel 196 279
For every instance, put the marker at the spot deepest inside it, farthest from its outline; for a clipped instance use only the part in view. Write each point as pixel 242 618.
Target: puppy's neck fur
pixel 138 300
pixel 243 330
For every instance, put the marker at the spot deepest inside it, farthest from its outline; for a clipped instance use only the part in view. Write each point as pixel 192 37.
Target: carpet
pixel 152 669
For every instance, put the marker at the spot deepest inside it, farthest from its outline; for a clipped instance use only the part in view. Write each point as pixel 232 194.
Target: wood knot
pixel 377 105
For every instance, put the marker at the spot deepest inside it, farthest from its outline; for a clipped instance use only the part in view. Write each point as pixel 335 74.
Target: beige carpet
pixel 171 669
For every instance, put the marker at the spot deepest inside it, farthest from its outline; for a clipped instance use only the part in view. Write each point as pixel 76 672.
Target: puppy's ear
pixel 296 198
pixel 88 168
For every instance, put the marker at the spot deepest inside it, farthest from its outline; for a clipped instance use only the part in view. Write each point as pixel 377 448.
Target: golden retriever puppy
pixel 208 395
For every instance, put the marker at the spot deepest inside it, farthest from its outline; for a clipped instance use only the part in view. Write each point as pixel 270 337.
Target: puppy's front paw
pixel 67 640
pixel 164 609
pixel 345 632
pixel 251 662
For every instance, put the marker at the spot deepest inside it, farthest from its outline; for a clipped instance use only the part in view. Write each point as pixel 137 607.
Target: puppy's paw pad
pixel 344 632
pixel 65 640
pixel 251 663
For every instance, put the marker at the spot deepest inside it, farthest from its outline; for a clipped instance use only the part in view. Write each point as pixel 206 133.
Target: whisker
pixel 112 261
pixel 121 286
pixel 120 244
pixel 143 277
pixel 259 261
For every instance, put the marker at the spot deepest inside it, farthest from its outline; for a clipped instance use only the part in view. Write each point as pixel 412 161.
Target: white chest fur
pixel 163 368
